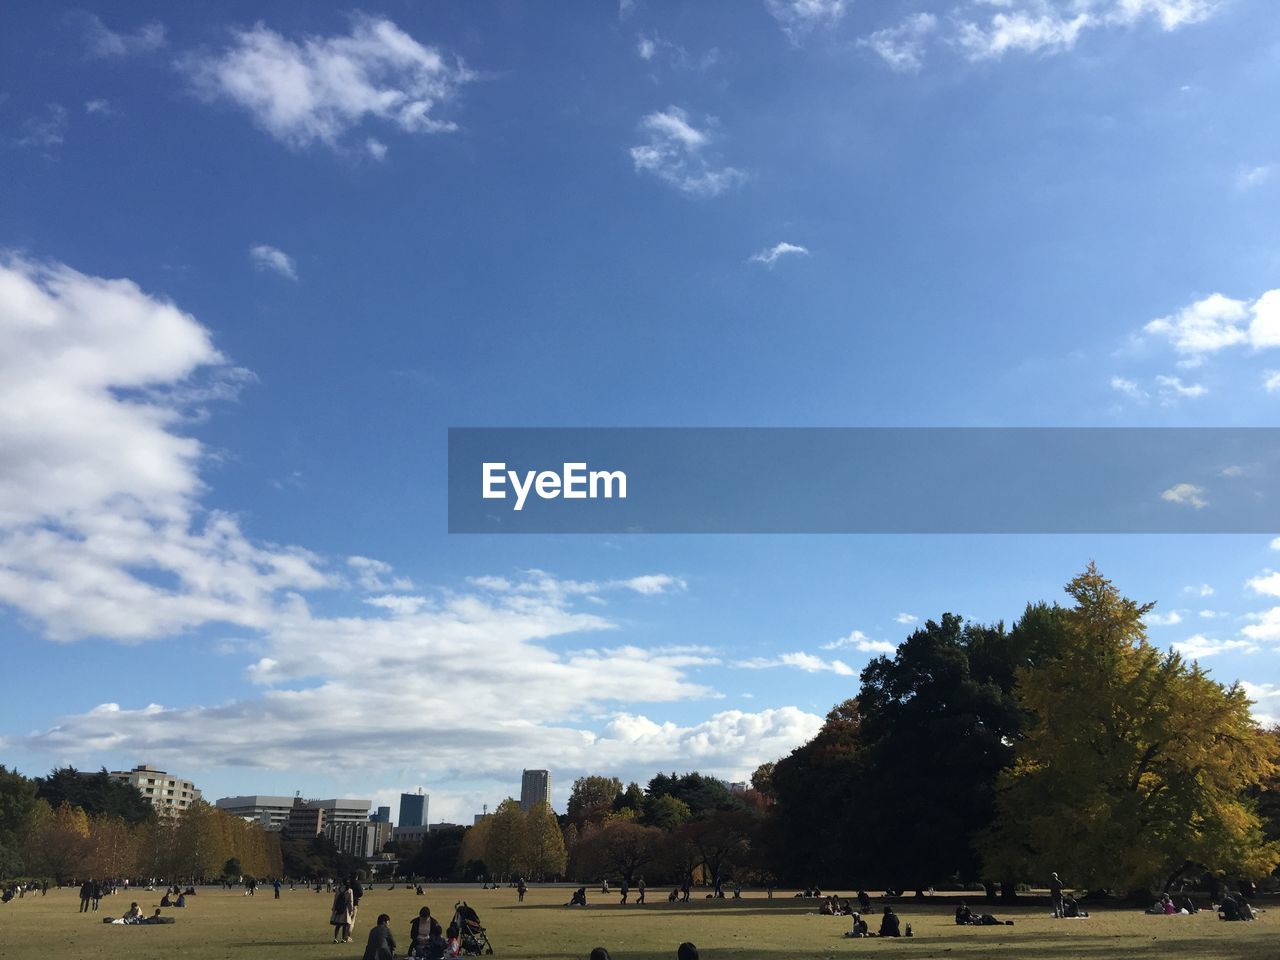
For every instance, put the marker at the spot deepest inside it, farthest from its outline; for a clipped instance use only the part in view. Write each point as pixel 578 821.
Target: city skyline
pixel 254 265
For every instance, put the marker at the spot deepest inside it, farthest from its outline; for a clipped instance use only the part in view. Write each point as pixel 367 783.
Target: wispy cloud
pixel 46 131
pixel 1129 388
pixel 103 42
pixel 267 257
pixel 906 618
pixel 771 255
pixel 1173 389
pixel 801 661
pixel 1164 619
pixel 316 89
pixel 1247 178
pixel 902 47
pixel 859 641
pixel 1199 646
pixel 100 106
pixel 799 18
pixel 675 151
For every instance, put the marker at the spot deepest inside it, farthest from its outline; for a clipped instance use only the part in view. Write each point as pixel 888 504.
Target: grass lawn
pixel 221 924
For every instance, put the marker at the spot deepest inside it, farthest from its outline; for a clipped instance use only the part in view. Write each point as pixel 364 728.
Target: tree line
pixel 71 825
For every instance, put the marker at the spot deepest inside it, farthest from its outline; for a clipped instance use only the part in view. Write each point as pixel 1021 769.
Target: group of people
pixel 1235 907
pixel 890 926
pixel 427 939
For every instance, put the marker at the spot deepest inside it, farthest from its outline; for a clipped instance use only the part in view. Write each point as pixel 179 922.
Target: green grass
pixel 225 924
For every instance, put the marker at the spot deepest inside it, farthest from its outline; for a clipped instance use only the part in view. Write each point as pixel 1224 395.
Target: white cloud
pixel 1022 32
pixel 1266 583
pixel 376 149
pixel 906 618
pixel 1218 322
pixel 674 152
pixel 317 89
pixel 1275 544
pixel 1199 646
pixel 1249 177
pixel 1265 625
pixel 861 642
pixel 375 576
pixel 801 17
pixel 1263 696
pixel 902 47
pixel 1232 470
pixel 1164 619
pixel 1211 614
pixel 99 106
pixel 646 47
pixel 1271 381
pixel 801 661
pixel 266 257
pixel 1199 590
pixel 1187 493
pixel 770 255
pixel 1129 389
pixel 101 41
pixel 1172 388
pixel 101 532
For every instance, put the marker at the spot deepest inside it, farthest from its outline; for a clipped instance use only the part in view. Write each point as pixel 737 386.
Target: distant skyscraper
pixel 382 816
pixel 535 787
pixel 413 809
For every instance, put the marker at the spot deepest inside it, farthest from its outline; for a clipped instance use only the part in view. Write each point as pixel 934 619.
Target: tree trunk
pixel 991 891
pixel 1008 891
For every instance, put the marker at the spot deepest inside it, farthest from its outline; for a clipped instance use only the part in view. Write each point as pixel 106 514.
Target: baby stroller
pixel 471 935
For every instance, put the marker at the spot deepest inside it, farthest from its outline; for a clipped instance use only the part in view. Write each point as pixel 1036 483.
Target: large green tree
pixel 17 802
pixel 1134 765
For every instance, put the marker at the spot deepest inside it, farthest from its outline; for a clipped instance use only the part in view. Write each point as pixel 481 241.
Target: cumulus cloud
pixel 1264 626
pixel 267 257
pixel 1217 322
pixel 906 618
pixel 1163 619
pixel 316 89
pixel 770 255
pixel 1186 493
pixel 1266 583
pixel 1199 646
pixel 1054 26
pixel 98 488
pixel 1265 697
pixel 798 18
pixel 1271 381
pixel 861 642
pixel 101 41
pixel 675 151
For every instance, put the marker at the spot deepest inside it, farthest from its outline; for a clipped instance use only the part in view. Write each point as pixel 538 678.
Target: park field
pixel 226 925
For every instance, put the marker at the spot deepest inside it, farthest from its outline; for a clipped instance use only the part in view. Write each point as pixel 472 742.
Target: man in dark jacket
pixel 381 945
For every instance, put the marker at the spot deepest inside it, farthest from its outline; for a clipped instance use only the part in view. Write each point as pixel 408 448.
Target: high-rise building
pixel 170 795
pixel 382 816
pixel 413 809
pixel 360 839
pixel 308 818
pixel 535 787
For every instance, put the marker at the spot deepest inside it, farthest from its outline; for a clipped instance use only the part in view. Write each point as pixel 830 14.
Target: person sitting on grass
pixel 686 951
pixel 889 925
pixel 381 944
pixel 600 953
pixel 964 915
pixel 133 914
pixel 864 902
pixel 579 898
pixel 860 928
pixel 181 901
pixel 165 901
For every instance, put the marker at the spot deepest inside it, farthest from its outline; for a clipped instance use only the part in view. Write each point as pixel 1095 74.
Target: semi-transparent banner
pixel 864 480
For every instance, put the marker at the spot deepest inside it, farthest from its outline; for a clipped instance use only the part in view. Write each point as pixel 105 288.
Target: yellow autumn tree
pixel 1135 764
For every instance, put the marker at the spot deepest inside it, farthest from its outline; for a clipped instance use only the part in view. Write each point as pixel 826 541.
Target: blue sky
pixel 256 261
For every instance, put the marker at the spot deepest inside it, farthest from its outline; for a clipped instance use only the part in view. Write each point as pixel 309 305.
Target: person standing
pixel 95 891
pixel 521 889
pixel 640 891
pixel 342 914
pixel 1055 894
pixel 624 890
pixel 86 892
pixel 276 886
